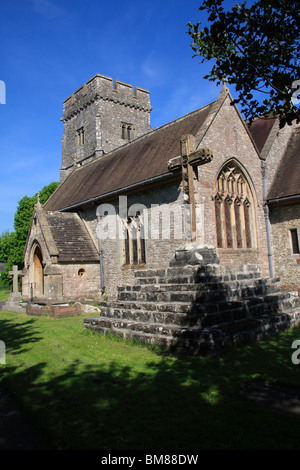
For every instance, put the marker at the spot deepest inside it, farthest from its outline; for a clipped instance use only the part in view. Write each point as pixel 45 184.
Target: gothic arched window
pixel 234 209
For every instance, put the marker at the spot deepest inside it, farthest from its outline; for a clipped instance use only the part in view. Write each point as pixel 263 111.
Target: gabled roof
pixel 65 235
pixel 260 130
pixel 136 162
pixel 286 182
pixel 71 237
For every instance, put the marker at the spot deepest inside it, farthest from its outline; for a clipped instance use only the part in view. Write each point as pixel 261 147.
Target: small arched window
pixel 134 240
pixel 234 209
pixel 127 131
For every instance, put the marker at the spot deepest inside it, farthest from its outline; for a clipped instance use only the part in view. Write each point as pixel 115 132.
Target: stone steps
pixel 210 299
pixel 193 340
pixel 201 314
pixel 198 309
pixel 232 289
pixel 198 327
pixel 197 274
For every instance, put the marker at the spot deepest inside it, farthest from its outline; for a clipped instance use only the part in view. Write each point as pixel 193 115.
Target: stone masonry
pixel 197 306
pixel 99 109
pixel 284 219
pixel 203 291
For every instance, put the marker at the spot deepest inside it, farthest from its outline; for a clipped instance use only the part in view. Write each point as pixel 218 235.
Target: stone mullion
pixel 238 227
pixel 248 224
pixel 219 224
pixel 223 225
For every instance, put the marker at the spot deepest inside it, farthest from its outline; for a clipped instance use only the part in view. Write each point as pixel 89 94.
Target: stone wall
pixel 100 107
pixel 159 202
pixel 52 280
pixel 284 218
pixel 228 139
pixel 81 281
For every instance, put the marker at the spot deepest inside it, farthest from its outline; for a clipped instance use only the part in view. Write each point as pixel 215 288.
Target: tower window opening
pixel 127 131
pixel 80 137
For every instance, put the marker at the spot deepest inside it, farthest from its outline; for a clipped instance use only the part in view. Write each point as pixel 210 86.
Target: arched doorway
pixel 37 282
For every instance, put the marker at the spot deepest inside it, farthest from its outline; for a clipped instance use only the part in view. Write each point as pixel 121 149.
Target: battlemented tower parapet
pixel 101 116
pixel 100 87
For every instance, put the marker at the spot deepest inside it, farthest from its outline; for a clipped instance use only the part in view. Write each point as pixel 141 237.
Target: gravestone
pixel 15 273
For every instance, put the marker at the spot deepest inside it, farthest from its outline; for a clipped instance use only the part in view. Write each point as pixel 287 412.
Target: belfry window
pixel 134 240
pixel 80 137
pixel 127 131
pixel 234 209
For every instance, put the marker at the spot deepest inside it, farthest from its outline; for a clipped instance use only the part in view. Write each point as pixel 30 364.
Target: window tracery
pixel 234 209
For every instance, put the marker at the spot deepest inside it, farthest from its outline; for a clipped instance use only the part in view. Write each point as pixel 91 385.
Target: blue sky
pixel 49 48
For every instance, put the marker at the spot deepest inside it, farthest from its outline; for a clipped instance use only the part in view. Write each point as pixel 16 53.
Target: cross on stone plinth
pixel 15 273
pixel 189 158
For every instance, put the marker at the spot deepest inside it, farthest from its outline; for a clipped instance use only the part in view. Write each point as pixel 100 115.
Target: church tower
pixel 99 117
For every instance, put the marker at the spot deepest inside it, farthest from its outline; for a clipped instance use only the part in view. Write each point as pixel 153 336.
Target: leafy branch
pixel 257 49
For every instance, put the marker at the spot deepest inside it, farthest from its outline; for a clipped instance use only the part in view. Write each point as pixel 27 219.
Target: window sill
pixel 237 250
pixel 133 266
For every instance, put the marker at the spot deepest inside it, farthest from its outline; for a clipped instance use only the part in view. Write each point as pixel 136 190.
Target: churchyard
pixel 4 293
pixel 82 390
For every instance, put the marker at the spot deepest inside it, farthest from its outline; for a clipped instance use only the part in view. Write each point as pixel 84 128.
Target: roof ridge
pixel 138 139
pixel 152 150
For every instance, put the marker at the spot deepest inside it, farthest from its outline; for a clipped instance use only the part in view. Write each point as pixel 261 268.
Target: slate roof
pixel 260 130
pixel 138 161
pixel 71 237
pixel 286 182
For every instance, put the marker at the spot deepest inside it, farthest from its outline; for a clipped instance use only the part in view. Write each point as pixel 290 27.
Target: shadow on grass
pixel 175 403
pixel 18 336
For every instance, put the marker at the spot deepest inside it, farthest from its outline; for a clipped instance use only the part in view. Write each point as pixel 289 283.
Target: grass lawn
pixel 4 293
pixel 87 392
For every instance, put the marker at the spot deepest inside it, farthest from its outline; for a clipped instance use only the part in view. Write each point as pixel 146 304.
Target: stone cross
pixel 189 158
pixel 15 273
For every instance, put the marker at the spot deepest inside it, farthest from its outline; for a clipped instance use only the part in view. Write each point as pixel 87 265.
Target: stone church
pixel 136 208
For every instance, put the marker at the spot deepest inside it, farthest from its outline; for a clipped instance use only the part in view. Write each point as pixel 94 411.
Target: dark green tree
pixel 7 243
pixel 23 217
pixel 257 49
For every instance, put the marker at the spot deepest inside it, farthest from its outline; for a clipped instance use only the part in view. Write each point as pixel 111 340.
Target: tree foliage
pixel 256 48
pixel 23 217
pixel 12 244
pixel 7 245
